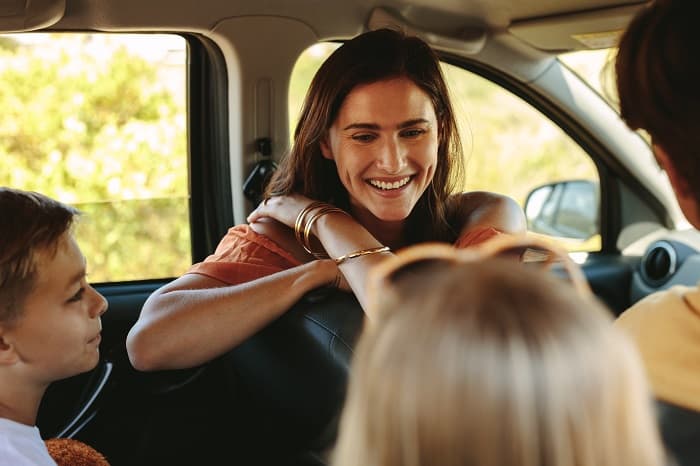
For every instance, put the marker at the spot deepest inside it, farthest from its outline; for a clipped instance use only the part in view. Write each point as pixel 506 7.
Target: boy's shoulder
pixel 22 445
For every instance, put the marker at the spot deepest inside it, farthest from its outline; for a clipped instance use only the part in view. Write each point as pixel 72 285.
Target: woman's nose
pixel 393 158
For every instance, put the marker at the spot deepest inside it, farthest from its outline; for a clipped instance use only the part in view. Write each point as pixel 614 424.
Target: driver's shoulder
pixel 470 200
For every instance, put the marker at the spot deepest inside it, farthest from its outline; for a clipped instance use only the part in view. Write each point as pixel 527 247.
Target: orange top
pixel 244 255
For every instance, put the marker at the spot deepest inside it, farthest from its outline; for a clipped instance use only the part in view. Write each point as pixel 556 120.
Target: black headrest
pixel 680 429
pixel 291 376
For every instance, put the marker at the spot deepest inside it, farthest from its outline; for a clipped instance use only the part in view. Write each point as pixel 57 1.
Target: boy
pixel 49 316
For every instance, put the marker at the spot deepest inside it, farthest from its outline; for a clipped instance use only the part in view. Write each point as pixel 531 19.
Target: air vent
pixel 659 263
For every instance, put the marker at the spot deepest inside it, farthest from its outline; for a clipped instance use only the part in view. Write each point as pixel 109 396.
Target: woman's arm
pixel 196 318
pixel 341 234
pixel 338 233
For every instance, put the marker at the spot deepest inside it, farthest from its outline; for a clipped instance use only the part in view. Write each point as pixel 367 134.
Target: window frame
pixel 210 186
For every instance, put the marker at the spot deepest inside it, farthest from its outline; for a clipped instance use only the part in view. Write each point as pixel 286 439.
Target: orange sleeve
pixel 476 236
pixel 244 255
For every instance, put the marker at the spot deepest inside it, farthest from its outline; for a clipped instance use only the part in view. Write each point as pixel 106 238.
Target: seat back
pixel 680 430
pixel 291 377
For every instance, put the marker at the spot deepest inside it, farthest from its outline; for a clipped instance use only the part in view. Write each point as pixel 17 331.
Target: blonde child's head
pixel 493 363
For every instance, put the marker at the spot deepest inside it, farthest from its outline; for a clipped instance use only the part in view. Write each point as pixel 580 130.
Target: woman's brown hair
pixel 32 222
pixel 658 76
pixel 371 57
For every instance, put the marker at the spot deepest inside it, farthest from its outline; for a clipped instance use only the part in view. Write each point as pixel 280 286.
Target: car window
pixel 304 70
pixel 99 121
pixel 510 147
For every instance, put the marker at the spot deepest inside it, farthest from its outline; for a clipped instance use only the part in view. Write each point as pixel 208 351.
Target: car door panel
pixel 610 278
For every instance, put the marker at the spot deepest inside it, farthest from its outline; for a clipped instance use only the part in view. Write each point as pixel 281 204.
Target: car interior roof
pixel 546 24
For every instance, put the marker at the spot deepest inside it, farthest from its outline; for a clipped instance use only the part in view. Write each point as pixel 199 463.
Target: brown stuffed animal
pixel 69 452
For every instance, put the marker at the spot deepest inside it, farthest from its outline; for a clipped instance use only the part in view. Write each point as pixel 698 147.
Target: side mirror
pixel 566 209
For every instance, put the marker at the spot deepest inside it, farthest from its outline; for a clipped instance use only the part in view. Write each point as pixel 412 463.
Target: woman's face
pixel 385 146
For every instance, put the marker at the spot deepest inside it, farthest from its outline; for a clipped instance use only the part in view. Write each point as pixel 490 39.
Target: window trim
pixel 210 189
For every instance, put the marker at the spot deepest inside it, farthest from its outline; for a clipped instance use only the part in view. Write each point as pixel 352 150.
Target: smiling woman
pixel 373 167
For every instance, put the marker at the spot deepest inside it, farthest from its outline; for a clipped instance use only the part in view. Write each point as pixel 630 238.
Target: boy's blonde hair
pixel 493 363
pixel 32 222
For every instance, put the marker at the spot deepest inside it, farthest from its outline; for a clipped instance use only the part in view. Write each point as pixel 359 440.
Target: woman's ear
pixel 326 148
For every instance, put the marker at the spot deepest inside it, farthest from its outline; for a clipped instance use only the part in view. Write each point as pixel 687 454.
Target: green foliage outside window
pixel 89 121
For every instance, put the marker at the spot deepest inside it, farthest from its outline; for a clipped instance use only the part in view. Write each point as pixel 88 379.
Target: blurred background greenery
pixel 93 120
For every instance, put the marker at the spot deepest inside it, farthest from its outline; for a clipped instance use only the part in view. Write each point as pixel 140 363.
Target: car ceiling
pixel 329 19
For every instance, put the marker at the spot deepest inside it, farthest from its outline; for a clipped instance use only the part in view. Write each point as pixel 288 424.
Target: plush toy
pixel 69 452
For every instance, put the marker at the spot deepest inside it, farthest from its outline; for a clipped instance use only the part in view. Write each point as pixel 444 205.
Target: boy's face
pixel 58 334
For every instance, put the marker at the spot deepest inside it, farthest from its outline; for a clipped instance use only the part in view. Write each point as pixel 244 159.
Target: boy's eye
pixel 77 296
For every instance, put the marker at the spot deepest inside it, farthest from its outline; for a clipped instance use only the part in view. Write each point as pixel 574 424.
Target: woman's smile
pixel 389 185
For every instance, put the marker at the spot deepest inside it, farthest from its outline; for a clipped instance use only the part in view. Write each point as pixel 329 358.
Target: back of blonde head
pixel 492 364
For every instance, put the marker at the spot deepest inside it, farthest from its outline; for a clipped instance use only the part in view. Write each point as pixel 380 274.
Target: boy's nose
pixel 99 306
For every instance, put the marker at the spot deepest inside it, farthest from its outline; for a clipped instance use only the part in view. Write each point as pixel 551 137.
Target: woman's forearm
pixel 195 318
pixel 340 235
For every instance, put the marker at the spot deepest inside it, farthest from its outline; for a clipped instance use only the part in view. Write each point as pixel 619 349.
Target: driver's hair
pixel 494 364
pixel 658 75
pixel 32 223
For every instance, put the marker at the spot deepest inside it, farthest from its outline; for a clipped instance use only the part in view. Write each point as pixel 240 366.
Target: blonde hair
pixel 493 363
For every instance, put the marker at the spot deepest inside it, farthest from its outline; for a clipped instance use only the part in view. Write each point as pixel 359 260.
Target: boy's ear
pixel 326 148
pixel 679 182
pixel 681 186
pixel 8 355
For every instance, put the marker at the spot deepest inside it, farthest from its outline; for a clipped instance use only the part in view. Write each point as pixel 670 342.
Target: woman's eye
pixel 363 137
pixel 77 296
pixel 412 133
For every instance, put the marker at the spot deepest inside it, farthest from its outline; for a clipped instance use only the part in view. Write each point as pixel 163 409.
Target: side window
pixel 304 70
pixel 99 121
pixel 512 148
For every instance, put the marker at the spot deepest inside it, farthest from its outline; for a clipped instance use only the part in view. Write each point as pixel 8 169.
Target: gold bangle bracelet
pixel 306 241
pixel 362 252
pixel 299 223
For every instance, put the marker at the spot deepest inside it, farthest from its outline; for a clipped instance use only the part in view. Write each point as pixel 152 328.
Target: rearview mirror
pixel 566 209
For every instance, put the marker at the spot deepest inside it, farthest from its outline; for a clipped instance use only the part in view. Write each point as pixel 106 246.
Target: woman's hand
pixel 340 282
pixel 284 209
